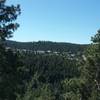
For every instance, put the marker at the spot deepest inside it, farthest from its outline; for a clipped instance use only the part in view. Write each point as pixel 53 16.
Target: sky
pixel 72 21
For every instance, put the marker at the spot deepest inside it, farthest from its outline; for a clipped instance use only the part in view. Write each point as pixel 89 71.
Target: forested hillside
pixel 35 76
pixel 47 46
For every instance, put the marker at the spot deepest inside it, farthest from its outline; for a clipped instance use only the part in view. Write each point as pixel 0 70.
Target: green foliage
pixel 45 74
pixel 46 45
pixel 96 38
pixel 9 74
pixel 92 68
pixel 37 91
pixel 72 88
pixel 8 14
pixel 30 76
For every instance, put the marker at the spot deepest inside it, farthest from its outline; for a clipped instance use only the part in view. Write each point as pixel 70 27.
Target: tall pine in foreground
pixel 92 69
pixel 8 60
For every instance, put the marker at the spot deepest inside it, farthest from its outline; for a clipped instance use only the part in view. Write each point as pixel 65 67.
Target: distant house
pixel 40 52
pixel 48 51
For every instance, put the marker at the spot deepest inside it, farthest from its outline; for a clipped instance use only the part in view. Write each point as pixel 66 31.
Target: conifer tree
pixel 8 60
pixel 92 68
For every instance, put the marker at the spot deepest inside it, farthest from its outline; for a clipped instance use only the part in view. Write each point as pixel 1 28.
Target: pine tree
pixel 92 68
pixel 8 14
pixel 8 60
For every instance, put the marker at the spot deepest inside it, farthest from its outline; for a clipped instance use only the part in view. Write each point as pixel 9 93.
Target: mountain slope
pixel 47 45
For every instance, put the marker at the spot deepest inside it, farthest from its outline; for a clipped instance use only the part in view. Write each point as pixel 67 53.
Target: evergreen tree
pixel 8 14
pixel 92 69
pixel 9 62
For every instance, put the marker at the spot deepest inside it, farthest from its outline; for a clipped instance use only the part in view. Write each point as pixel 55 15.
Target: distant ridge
pixel 47 45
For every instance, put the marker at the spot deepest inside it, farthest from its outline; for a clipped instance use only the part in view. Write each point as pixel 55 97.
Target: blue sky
pixel 72 21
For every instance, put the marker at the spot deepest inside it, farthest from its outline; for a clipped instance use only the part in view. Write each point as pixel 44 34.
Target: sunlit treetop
pixel 8 14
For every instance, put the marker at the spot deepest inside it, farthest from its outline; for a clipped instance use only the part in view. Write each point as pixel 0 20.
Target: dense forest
pixel 47 46
pixel 46 76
